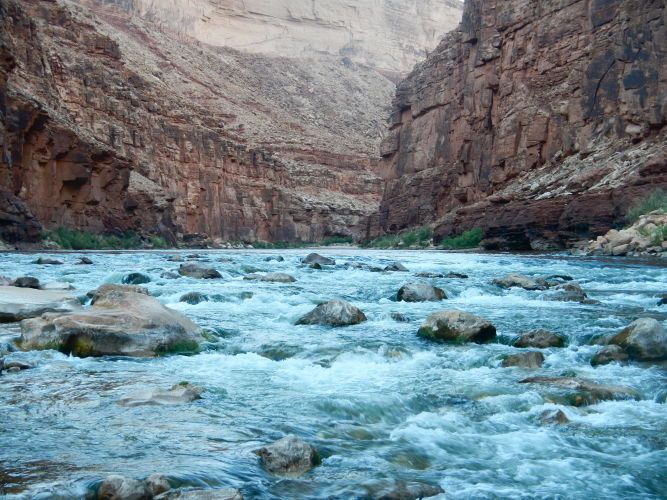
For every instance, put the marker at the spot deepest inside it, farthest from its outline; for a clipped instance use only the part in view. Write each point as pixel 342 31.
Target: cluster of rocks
pixel 646 237
pixel 566 290
pixel 157 486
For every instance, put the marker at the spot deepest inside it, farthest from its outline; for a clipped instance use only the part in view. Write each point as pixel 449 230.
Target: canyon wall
pixel 388 35
pixel 537 121
pixel 110 124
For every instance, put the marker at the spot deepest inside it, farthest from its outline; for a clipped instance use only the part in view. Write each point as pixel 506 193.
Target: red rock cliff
pixel 537 120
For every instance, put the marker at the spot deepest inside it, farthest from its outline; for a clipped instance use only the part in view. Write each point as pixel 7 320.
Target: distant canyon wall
pixel 538 121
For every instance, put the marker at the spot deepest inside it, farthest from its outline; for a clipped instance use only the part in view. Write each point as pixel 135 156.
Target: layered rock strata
pixel 539 122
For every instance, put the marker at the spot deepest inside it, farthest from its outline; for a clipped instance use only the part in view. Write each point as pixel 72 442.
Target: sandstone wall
pixel 539 121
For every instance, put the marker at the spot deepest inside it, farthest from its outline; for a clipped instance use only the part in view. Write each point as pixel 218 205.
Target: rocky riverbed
pixel 257 374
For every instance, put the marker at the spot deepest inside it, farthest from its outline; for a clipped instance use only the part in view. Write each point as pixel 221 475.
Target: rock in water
pixel 178 394
pixel 122 321
pixel 271 277
pixel 408 491
pixel 418 292
pixel 457 326
pixel 22 303
pixel 314 258
pixel 540 339
pixel 219 494
pixel 122 488
pixel 136 279
pixel 333 313
pixel 26 282
pixel 518 280
pixel 45 261
pixel 193 270
pixel 84 261
pixel 289 455
pixel 57 285
pixel 157 484
pixel 193 298
pixel 609 354
pixel 580 392
pixel 645 339
pixel 550 417
pixel 533 359
pixel 396 266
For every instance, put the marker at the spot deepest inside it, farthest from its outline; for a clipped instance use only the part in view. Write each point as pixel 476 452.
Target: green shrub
pixel 657 200
pixel 337 240
pixel 468 239
pixel 418 237
pixel 158 242
pixel 280 245
pixel 72 239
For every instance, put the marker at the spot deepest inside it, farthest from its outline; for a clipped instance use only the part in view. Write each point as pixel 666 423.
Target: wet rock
pixel 193 270
pixel 278 258
pixel 175 258
pixel 315 266
pixel 532 359
pixel 645 339
pixel 429 275
pixel 418 292
pixel 580 392
pixel 271 277
pixel 45 261
pixel 663 300
pixel 333 313
pixel 84 261
pixel 26 282
pixel 572 292
pixel 179 394
pixel 122 488
pixel 168 275
pixel 122 321
pixel 408 491
pixel 396 266
pixel 457 326
pixel 609 354
pixel 12 366
pixel 315 258
pixel 540 339
pixel 199 494
pixel 518 280
pixel 551 417
pixel 289 455
pixel 17 304
pixel 157 484
pixel 563 277
pixel 57 285
pixel 457 275
pixel 5 281
pixel 193 298
pixel 136 279
pixel 400 317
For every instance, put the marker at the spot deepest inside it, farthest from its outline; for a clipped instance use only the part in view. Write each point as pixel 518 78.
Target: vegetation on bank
pixel 656 201
pixel 72 239
pixel 328 241
pixel 419 237
pixel 468 239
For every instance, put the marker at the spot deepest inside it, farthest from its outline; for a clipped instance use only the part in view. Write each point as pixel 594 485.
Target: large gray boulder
pixel 177 395
pixel 530 359
pixel 581 392
pixel 22 303
pixel 419 292
pixel 540 339
pixel 271 277
pixel 199 494
pixel 198 271
pixel 289 455
pixel 117 487
pixel 122 321
pixel 518 280
pixel 333 313
pixel 609 354
pixel 457 326
pixel 645 339
pixel 315 258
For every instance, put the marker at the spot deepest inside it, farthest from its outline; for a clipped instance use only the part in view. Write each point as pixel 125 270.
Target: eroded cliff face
pixel 538 121
pixel 388 35
pixel 110 124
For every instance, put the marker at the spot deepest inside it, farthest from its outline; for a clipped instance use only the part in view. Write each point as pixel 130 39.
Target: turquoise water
pixel 379 403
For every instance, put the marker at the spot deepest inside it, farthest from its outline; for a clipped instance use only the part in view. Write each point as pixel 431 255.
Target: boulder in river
pixel 277 258
pixel 45 261
pixel 117 487
pixel 179 394
pixel 457 326
pixel 12 366
pixel 518 280
pixel 420 292
pixel 396 266
pixel 572 292
pixel 122 321
pixel 315 258
pixel 26 282
pixel 608 354
pixel 531 359
pixel 551 417
pixel 333 313
pixel 156 484
pixel 540 339
pixel 194 270
pixel 57 285
pixel 168 275
pixel 271 277
pixel 193 298
pixel 663 300
pixel 17 304
pixel 84 261
pixel 402 490
pixel 580 392
pixel 429 275
pixel 136 279
pixel 645 339
pixel 289 455
pixel 202 494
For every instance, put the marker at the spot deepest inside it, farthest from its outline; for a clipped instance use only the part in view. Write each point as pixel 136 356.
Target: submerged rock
pixel 418 292
pixel 582 392
pixel 408 491
pixel 178 394
pixel 45 261
pixel 193 270
pixel 271 277
pixel 278 258
pixel 200 494
pixel 289 455
pixel 315 258
pixel 122 321
pixel 551 417
pixel 193 298
pixel 540 339
pixel 518 280
pixel 12 366
pixel 17 304
pixel 26 282
pixel 609 354
pixel 532 359
pixel 396 266
pixel 400 317
pixel 663 300
pixel 84 261
pixel 117 487
pixel 333 313
pixel 457 275
pixel 429 275
pixel 168 275
pixel 572 292
pixel 457 326
pixel 57 285
pixel 645 339
pixel 136 279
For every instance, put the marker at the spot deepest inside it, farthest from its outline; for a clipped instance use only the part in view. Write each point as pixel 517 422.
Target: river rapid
pixel 379 403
